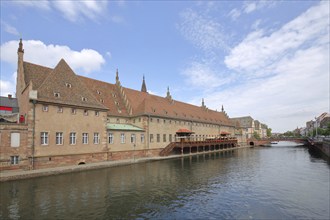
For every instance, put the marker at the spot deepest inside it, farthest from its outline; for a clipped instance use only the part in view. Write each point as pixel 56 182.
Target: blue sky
pixel 266 59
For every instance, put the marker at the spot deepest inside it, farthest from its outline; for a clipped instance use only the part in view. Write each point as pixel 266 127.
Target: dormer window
pixel 56 94
pixel 114 95
pixel 98 92
pixel 68 85
pixel 83 99
pixel 101 100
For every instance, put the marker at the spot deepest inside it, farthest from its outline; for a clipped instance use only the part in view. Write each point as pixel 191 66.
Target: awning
pixel 185 131
pixel 123 127
pixel 224 133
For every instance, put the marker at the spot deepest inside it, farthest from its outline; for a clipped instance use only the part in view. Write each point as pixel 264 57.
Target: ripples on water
pixel 282 181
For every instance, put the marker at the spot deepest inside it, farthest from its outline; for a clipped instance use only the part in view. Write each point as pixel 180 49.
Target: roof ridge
pixel 37 65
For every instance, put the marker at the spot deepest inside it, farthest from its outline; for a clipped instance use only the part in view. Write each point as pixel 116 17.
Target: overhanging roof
pixel 123 127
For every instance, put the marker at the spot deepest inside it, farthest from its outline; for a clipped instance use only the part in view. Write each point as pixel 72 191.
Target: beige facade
pixel 72 119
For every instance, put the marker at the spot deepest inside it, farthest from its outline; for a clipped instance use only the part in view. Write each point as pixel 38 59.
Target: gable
pixel 62 86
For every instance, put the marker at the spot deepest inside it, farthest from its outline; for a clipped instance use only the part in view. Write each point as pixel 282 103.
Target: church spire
pixel 117 77
pixel 203 104
pixel 20 46
pixel 222 109
pixel 168 94
pixel 143 87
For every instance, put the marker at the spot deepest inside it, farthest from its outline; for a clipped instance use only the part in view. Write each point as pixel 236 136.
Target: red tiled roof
pixel 106 95
pixel 50 81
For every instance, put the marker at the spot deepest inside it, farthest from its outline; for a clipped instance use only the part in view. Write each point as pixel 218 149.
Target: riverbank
pixel 26 174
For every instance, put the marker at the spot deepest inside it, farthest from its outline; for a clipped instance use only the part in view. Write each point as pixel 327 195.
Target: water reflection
pixel 259 183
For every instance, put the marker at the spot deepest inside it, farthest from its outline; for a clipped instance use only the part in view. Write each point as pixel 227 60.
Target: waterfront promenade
pixel 25 174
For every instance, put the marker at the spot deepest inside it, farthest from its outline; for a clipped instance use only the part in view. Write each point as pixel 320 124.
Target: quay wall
pixel 50 171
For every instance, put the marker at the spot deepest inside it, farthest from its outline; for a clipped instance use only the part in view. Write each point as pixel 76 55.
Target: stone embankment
pixel 25 174
pixel 321 145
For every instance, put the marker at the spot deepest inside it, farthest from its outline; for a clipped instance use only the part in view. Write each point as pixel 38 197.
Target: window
pixel 170 137
pixel 142 138
pixel 150 119
pixel 85 112
pixel 85 138
pixel 56 94
pixel 68 85
pixel 83 99
pixel 110 138
pixel 98 92
pixel 164 137
pixel 132 138
pixel 59 138
pixel 96 139
pixel 151 138
pixel 97 113
pixel 73 111
pixel 118 121
pixel 44 138
pixel 158 137
pixel 157 120
pixel 45 108
pixel 59 109
pixel 15 139
pixel 122 138
pixel 73 138
pixel 164 121
pixel 14 160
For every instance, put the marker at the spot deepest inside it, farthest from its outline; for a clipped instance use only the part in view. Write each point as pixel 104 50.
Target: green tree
pixel 256 135
pixel 288 134
pixel 269 132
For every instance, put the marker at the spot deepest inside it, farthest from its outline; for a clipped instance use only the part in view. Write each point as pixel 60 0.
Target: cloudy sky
pixel 266 59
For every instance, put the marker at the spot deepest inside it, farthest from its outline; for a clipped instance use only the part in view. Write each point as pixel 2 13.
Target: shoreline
pixel 27 174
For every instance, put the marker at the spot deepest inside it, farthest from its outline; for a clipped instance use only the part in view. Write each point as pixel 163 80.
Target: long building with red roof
pixel 73 119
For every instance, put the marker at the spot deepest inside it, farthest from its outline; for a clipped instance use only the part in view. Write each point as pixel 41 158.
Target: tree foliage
pixel 269 132
pixel 256 135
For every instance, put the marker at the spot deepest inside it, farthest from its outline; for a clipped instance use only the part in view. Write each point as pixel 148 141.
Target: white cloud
pixel 41 4
pixel 86 60
pixel 71 10
pixel 7 86
pixel 286 73
pixel 202 74
pixel 234 14
pixel 249 7
pixel 203 32
pixel 258 51
pixel 281 75
pixel 299 90
pixel 9 29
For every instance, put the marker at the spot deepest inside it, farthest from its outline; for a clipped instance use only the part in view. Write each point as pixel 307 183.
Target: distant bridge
pixel 268 141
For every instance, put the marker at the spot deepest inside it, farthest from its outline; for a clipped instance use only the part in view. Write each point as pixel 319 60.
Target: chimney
pixel 9 96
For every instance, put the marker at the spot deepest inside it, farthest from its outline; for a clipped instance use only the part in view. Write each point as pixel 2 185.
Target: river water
pixel 283 181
